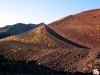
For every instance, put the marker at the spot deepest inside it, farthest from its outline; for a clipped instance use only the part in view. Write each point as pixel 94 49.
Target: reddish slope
pixel 83 28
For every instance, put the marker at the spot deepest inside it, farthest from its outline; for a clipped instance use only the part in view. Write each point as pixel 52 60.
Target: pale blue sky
pixel 37 11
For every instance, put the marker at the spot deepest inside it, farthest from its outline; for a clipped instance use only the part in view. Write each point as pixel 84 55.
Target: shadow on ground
pixel 12 67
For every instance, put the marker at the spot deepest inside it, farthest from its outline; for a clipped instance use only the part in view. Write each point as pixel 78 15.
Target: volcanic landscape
pixel 71 44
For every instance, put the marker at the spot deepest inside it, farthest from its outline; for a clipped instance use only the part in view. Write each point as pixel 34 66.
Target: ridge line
pixel 58 36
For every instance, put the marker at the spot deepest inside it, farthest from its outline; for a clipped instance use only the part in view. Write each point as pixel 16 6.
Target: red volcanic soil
pixel 69 44
pixel 83 28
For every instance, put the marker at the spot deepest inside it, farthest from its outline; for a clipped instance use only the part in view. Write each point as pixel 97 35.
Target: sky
pixel 37 11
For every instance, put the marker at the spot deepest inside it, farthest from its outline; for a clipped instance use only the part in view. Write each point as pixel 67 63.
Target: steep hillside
pixel 40 45
pixel 83 28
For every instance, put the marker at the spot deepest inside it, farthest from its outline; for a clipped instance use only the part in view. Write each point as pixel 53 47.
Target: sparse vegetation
pixel 22 67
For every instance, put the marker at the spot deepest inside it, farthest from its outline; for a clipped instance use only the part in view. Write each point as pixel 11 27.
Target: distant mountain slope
pixel 64 45
pixel 18 28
